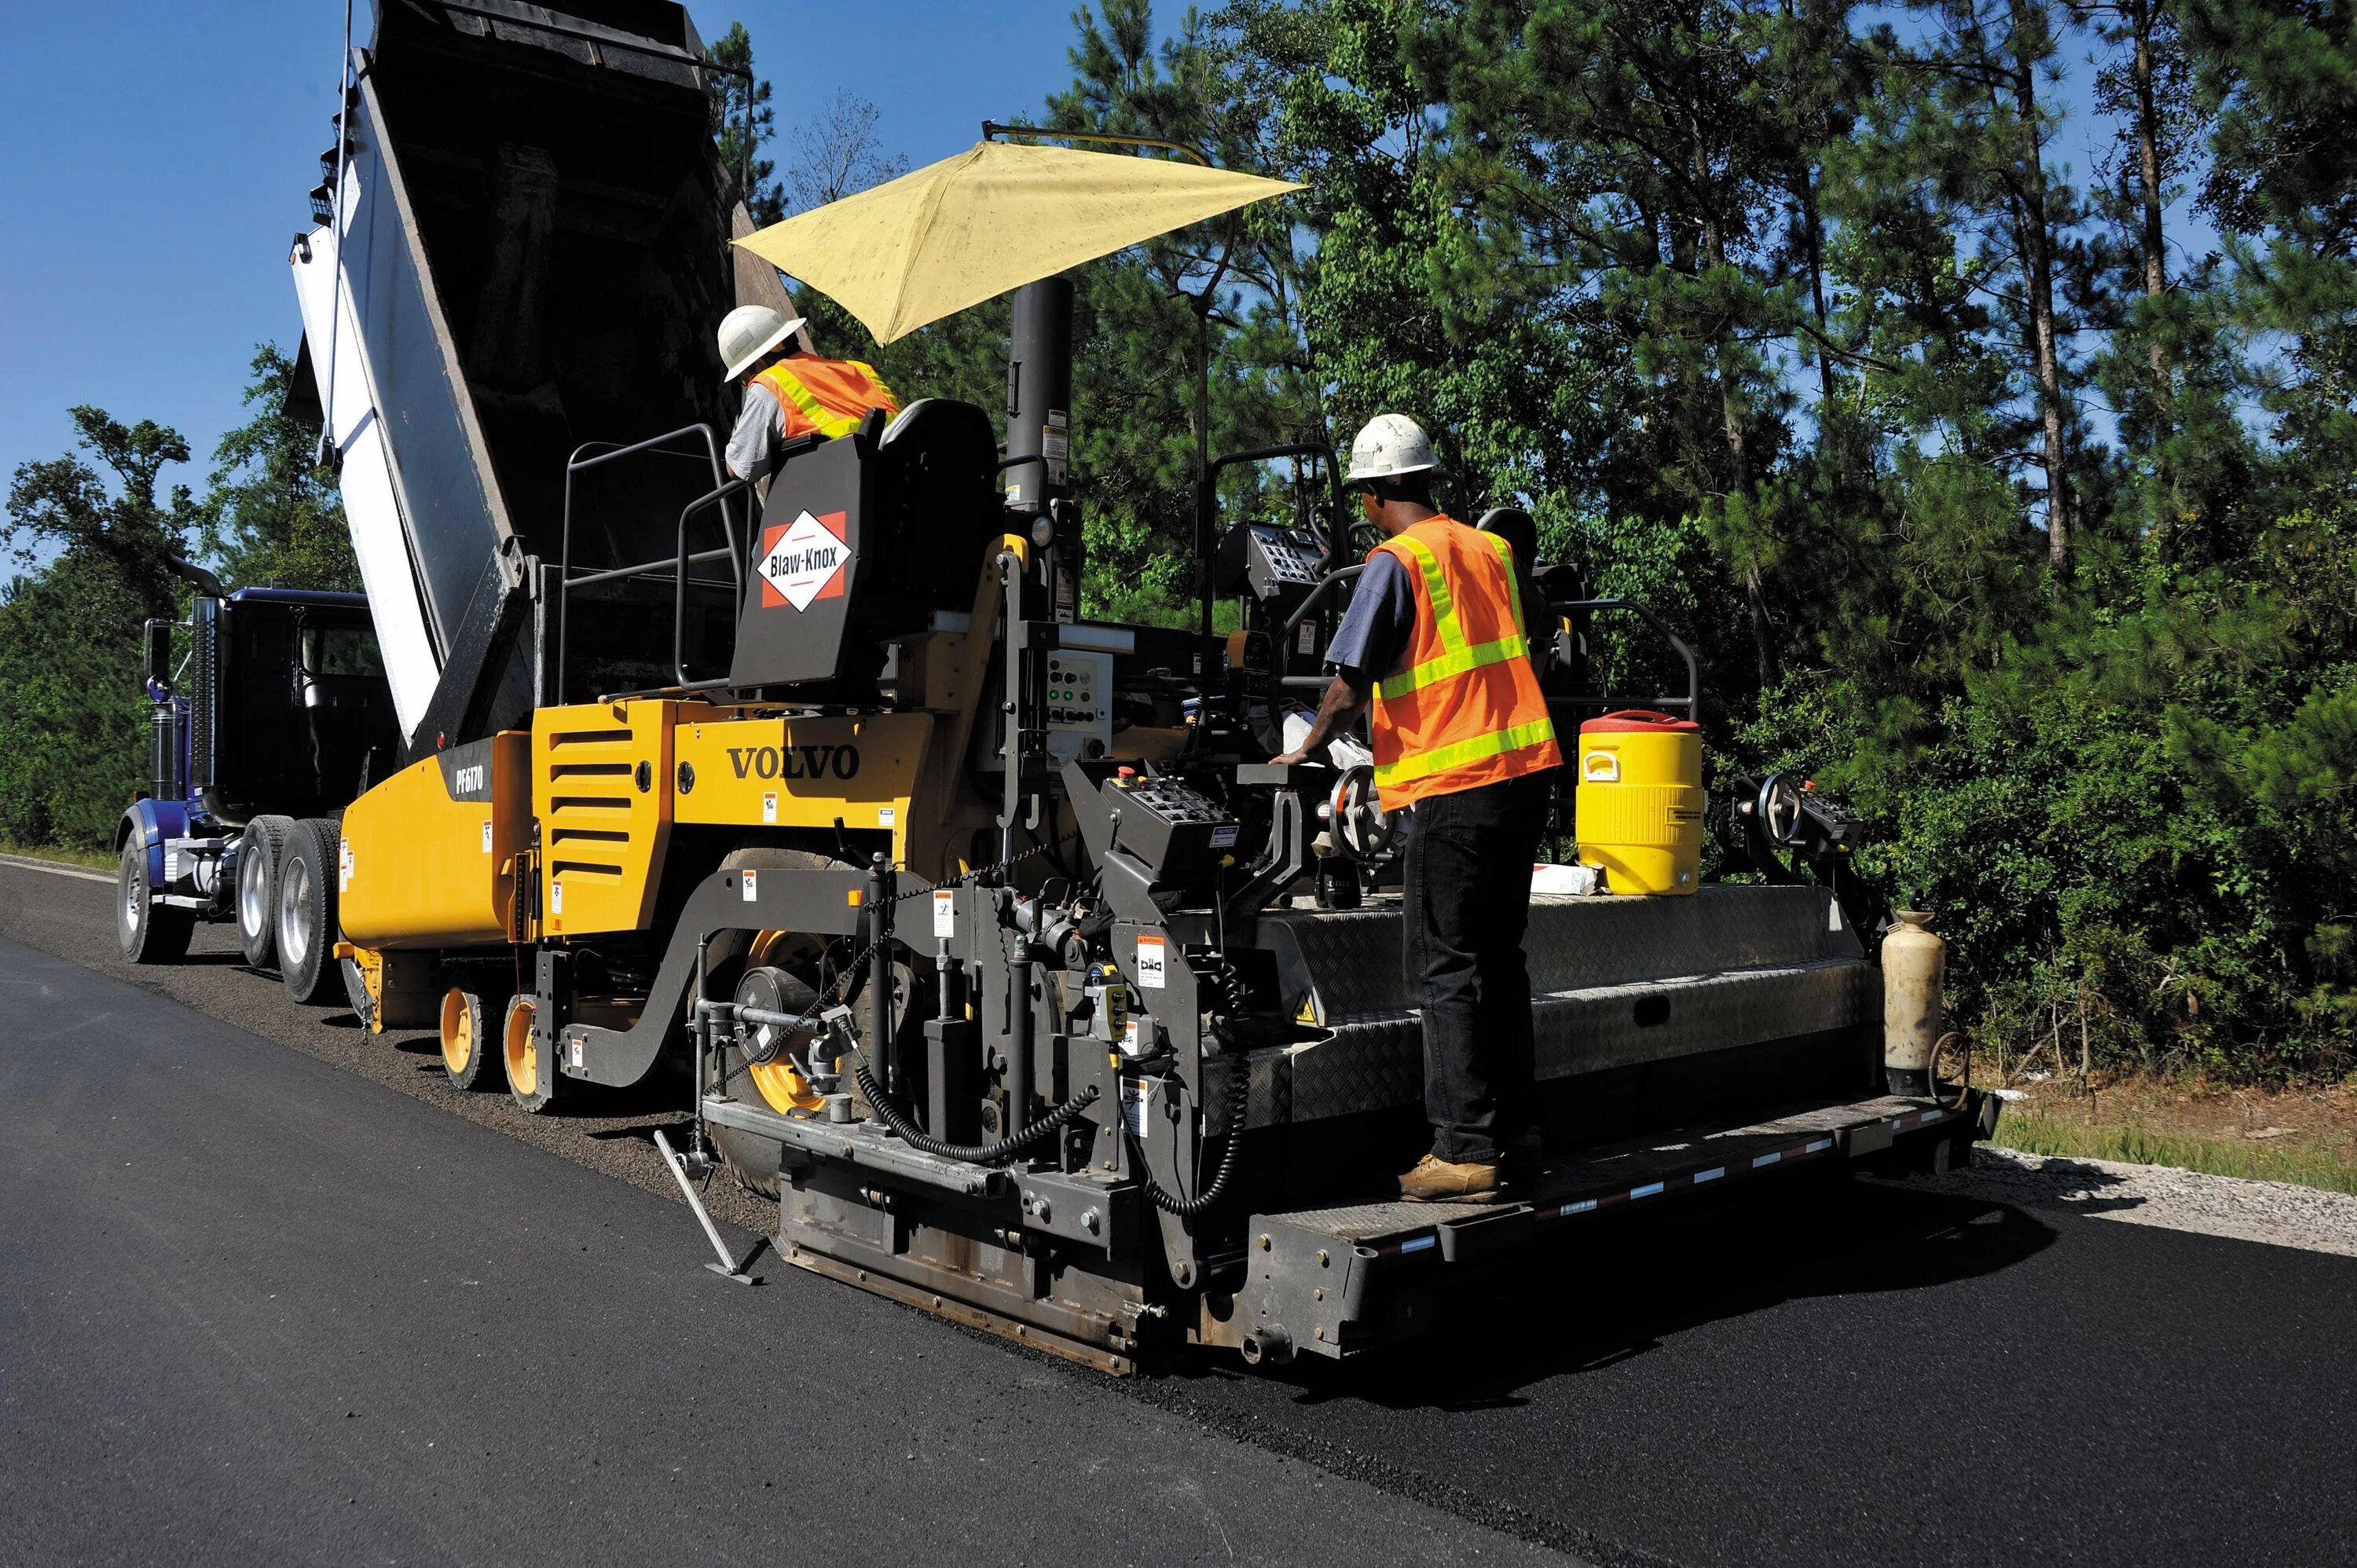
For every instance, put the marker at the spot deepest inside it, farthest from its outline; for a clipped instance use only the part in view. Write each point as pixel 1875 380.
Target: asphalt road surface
pixel 271 1292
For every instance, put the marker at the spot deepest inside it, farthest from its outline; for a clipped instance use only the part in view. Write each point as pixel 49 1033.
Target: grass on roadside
pixel 98 859
pixel 2305 1165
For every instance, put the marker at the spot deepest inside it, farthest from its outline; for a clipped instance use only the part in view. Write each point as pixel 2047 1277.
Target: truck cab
pixel 270 705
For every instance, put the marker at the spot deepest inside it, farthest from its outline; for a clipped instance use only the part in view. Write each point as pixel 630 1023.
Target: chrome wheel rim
pixel 252 897
pixel 294 909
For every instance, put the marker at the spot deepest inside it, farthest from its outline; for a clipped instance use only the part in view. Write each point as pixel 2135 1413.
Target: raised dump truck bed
pixel 526 256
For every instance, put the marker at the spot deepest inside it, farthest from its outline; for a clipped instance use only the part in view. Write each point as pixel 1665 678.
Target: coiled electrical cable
pixel 1055 1121
pixel 1187 1207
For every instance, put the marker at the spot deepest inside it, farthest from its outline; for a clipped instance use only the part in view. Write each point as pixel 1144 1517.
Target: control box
pixel 1079 706
pixel 1178 833
pixel 1273 563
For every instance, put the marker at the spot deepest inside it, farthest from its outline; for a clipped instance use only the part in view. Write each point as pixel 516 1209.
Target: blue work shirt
pixel 1373 641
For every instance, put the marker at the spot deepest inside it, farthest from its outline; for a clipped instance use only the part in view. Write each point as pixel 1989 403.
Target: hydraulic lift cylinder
pixel 950 1093
pixel 1018 1047
pixel 879 973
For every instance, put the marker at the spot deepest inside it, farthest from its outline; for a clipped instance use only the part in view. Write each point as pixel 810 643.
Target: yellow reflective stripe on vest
pixel 864 369
pixel 1393 687
pixel 1480 748
pixel 1458 659
pixel 831 425
pixel 1513 583
pixel 1436 588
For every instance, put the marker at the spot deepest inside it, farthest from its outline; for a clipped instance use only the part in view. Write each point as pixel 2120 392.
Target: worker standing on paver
pixel 1435 635
pixel 789 392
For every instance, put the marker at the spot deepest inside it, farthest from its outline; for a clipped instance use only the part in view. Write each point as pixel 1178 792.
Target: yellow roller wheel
pixel 781 1087
pixel 465 1055
pixel 528 1074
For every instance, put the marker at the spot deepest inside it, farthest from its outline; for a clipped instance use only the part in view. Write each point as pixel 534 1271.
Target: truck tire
pixel 148 932
pixel 306 914
pixel 258 849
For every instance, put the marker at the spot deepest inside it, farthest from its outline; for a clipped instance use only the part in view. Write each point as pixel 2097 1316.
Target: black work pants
pixel 1467 900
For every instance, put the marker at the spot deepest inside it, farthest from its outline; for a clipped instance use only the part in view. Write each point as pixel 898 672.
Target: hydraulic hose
pixel 1187 1207
pixel 1054 1122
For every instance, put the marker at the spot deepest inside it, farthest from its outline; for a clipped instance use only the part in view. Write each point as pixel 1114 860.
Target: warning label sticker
pixel 768 806
pixel 803 561
pixel 752 887
pixel 945 913
pixel 1153 960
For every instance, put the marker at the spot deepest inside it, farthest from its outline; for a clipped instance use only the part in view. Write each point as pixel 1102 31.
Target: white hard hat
pixel 749 332
pixel 1389 446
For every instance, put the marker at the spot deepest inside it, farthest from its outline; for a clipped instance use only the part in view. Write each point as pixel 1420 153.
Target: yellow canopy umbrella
pixel 992 218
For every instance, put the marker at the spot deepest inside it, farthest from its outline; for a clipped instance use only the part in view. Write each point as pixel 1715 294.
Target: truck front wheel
pixel 148 931
pixel 306 914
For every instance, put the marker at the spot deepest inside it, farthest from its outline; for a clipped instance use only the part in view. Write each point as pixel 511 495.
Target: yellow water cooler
pixel 1640 801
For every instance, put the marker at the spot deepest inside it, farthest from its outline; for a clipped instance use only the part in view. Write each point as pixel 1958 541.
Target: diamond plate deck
pixel 1618 982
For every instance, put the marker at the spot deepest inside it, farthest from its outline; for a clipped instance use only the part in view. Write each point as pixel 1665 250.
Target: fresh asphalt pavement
pixel 269 1292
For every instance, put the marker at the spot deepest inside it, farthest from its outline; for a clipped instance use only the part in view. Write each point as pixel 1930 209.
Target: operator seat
pixel 1521 530
pixel 941 501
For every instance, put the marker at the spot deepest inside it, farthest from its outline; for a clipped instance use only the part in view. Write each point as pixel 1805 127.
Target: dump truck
pixel 269 706
pixel 983 938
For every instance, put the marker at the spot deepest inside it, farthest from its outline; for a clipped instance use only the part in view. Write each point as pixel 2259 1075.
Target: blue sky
pixel 154 157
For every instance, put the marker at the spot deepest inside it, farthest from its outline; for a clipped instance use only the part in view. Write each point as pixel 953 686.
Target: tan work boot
pixel 1434 1180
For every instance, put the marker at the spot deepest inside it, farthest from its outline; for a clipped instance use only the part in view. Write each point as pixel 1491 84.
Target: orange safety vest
pixel 829 396
pixel 1467 709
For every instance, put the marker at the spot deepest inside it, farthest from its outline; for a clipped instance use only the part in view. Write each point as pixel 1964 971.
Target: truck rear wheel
pixel 258 850
pixel 469 1056
pixel 306 914
pixel 148 932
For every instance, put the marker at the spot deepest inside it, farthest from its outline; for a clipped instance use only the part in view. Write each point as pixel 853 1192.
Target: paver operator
pixel 1435 637
pixel 787 392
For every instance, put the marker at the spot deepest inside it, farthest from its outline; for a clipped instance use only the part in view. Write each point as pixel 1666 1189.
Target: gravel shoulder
pixel 2275 1213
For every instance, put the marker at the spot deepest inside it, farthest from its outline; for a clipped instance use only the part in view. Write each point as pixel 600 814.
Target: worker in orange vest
pixel 1434 638
pixel 789 392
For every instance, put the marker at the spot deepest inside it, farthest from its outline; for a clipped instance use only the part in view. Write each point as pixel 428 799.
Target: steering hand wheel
pixel 1778 810
pixel 1362 827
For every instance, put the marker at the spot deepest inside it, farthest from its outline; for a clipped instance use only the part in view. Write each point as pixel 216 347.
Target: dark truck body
pixel 279 706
